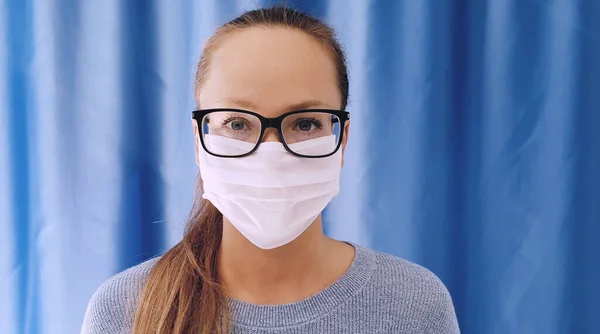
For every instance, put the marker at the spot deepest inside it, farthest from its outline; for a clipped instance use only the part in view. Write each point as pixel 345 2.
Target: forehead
pixel 270 70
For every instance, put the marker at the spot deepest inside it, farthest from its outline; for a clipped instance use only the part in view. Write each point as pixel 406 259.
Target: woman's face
pixel 270 71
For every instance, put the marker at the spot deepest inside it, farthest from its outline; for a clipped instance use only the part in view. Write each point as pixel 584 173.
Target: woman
pixel 270 132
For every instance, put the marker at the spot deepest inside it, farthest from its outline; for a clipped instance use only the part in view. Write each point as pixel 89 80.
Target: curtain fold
pixel 473 149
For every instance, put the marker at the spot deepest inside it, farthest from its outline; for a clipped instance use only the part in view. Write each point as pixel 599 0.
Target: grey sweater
pixel 379 293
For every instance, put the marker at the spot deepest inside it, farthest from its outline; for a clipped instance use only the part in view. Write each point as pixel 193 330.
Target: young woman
pixel 270 131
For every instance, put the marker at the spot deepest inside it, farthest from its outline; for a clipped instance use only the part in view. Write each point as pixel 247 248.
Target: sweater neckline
pixel 302 311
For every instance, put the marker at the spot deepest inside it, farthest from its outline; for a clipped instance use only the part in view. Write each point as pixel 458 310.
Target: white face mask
pixel 270 196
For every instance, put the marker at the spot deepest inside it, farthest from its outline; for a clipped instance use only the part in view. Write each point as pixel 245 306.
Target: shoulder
pixel 112 307
pixel 393 271
pixel 414 295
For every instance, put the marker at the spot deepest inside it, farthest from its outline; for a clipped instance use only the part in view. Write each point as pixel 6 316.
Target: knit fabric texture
pixel 379 293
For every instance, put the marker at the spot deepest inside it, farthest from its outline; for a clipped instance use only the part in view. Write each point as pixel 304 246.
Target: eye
pixel 307 124
pixel 235 123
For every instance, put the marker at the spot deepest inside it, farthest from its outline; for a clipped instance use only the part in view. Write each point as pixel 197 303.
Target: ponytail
pixel 183 293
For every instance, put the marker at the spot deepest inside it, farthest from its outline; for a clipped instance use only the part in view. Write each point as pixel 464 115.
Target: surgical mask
pixel 270 196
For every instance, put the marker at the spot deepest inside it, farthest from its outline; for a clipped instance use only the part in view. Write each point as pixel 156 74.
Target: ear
pixel 196 141
pixel 345 139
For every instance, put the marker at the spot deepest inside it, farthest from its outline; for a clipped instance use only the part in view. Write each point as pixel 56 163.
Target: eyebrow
pixel 299 106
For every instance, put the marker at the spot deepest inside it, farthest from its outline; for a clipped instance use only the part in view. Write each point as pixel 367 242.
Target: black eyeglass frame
pixel 275 123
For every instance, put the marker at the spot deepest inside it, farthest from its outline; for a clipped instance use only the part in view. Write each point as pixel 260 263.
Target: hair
pixel 183 292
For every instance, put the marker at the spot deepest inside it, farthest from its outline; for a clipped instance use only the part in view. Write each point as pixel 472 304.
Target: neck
pixel 285 274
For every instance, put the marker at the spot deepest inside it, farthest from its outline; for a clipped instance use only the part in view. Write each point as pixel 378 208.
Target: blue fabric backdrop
pixel 474 149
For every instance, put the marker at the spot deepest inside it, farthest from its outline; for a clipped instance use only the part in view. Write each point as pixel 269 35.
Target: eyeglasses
pixel 234 133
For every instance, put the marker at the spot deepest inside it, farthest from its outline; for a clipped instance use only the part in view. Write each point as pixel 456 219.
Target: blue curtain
pixel 474 149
